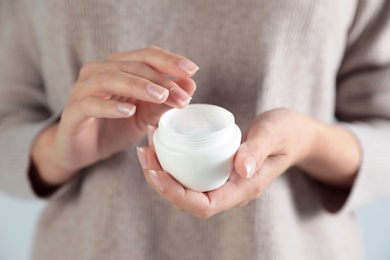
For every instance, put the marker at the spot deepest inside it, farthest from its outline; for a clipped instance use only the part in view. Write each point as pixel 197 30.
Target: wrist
pixel 46 161
pixel 310 132
pixel 333 156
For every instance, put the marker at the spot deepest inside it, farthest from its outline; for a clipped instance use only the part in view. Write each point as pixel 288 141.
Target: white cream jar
pixel 197 144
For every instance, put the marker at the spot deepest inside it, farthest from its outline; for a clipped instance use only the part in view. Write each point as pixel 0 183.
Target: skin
pixel 117 97
pixel 275 141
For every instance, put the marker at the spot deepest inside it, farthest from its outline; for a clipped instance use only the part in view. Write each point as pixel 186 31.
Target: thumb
pixel 252 153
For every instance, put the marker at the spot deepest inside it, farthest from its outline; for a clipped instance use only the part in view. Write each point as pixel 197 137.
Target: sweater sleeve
pixel 363 100
pixel 23 107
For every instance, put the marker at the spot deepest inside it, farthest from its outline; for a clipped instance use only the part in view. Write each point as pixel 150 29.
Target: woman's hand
pixel 275 141
pixel 109 107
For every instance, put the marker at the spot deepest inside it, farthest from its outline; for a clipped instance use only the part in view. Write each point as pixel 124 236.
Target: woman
pixel 80 90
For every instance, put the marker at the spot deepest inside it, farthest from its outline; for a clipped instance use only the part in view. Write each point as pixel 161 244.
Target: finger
pixel 197 203
pixel 271 168
pixel 99 108
pixel 180 91
pixel 252 153
pixel 238 191
pixel 150 166
pixel 188 85
pixel 148 159
pixel 243 204
pixel 149 114
pixel 150 132
pixel 170 189
pixel 161 60
pixel 114 82
pixel 235 192
pixel 203 205
pixel 177 96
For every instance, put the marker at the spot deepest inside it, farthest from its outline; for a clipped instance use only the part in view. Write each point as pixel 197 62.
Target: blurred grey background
pixel 18 219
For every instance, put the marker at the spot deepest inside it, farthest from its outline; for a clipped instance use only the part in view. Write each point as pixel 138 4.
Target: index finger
pixel 159 59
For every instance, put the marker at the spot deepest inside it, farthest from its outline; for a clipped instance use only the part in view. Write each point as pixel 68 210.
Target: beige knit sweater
pixel 326 59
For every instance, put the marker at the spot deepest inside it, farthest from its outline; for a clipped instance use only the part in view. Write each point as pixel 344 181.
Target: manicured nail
pixel 142 157
pixel 157 92
pixel 188 66
pixel 156 181
pixel 126 109
pixel 250 165
pixel 150 131
pixel 180 96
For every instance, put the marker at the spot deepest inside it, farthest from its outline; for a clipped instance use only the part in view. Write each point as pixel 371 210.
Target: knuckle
pixel 92 106
pixel 204 214
pixel 172 58
pixel 165 82
pixel 75 93
pixel 83 105
pixel 114 56
pixel 101 106
pixel 266 128
pixel 257 190
pixel 163 54
pixel 175 59
pixel 132 83
pixel 105 76
pixel 205 211
pixel 153 49
pixel 87 69
pixel 170 197
pixel 130 66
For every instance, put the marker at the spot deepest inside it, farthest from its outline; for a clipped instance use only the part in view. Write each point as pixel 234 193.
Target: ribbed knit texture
pixel 327 59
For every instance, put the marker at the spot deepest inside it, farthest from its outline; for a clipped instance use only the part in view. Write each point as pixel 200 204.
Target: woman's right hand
pixel 109 108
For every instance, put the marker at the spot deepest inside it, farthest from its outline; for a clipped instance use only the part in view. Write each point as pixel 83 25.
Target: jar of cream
pixel 197 144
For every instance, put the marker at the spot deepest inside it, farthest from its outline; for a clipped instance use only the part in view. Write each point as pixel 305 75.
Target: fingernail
pixel 126 109
pixel 150 132
pixel 157 92
pixel 188 66
pixel 180 96
pixel 142 157
pixel 250 165
pixel 156 181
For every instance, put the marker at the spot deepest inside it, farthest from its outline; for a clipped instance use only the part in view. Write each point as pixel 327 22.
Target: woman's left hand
pixel 275 141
